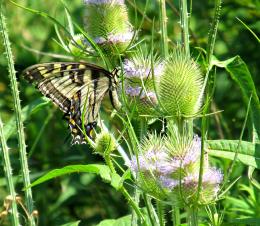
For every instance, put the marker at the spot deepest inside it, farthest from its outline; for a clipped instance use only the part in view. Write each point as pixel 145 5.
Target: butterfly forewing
pixel 76 88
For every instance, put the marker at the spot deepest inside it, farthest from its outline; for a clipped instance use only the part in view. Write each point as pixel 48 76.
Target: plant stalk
pixel 160 212
pixel 163 26
pixel 134 206
pixel 176 219
pixel 8 176
pixel 134 221
pixel 185 26
pixel 192 216
pixel 19 123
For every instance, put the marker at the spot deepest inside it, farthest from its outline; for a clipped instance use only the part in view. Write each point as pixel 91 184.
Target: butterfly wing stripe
pixel 57 97
pixel 94 77
pixel 42 70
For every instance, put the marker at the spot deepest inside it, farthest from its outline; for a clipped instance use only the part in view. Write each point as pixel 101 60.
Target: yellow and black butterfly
pixel 76 88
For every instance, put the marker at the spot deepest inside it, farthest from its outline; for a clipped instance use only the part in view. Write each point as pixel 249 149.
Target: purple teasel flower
pixel 138 69
pixel 115 38
pixel 191 155
pixel 211 175
pixel 148 97
pixel 149 161
pixel 168 182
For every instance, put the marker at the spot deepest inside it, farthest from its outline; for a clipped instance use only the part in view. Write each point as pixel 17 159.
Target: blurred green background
pixel 86 197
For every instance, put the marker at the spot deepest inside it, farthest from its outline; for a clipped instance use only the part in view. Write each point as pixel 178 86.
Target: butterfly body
pixel 77 89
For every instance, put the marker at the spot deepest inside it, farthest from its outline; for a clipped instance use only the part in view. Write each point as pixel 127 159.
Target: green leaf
pixel 27 111
pixel 123 221
pixel 246 221
pixel 251 178
pixel 76 223
pixel 248 153
pixel 239 72
pixel 117 181
pixel 102 170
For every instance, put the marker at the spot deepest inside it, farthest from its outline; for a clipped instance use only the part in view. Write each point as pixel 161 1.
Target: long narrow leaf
pixel 248 153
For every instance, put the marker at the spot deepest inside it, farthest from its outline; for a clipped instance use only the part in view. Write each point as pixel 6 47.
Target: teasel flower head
pixel 168 168
pixel 140 79
pixel 180 85
pixel 146 165
pixel 107 23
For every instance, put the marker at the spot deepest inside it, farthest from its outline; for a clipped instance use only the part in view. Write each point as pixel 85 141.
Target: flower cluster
pixel 166 167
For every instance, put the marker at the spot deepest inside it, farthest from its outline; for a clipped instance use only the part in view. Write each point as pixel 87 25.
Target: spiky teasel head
pixel 140 79
pixel 146 165
pixel 181 171
pixel 106 21
pixel 180 85
pixel 168 168
pixel 184 154
pixel 105 143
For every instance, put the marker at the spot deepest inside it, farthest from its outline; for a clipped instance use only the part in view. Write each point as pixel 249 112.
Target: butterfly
pixel 77 89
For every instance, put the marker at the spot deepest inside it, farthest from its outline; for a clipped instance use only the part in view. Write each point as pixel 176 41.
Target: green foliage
pixel 123 221
pixel 248 153
pixel 73 190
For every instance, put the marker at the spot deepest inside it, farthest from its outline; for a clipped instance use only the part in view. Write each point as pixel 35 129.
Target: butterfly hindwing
pixel 76 88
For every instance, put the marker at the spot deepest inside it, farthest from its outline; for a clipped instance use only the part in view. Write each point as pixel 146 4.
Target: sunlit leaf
pixel 246 221
pixel 123 221
pixel 101 170
pixel 76 223
pixel 239 72
pixel 248 153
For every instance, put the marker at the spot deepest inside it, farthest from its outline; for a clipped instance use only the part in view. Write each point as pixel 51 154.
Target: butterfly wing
pixel 76 88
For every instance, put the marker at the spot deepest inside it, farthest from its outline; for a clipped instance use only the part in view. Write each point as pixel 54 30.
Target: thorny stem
pixel 185 26
pixel 192 216
pixel 134 206
pixel 163 25
pixel 176 216
pixel 8 173
pixel 19 123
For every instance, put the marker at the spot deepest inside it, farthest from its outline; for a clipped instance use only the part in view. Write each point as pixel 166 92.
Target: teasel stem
pixel 134 221
pixel 185 26
pixel 134 206
pixel 192 216
pixel 8 175
pixel 149 207
pixel 210 49
pixel 19 123
pixel 176 216
pixel 163 26
pixel 211 41
pixel 160 212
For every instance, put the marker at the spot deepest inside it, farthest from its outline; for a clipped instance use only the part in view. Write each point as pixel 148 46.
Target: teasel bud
pixel 140 80
pixel 180 85
pixel 105 143
pixel 107 23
